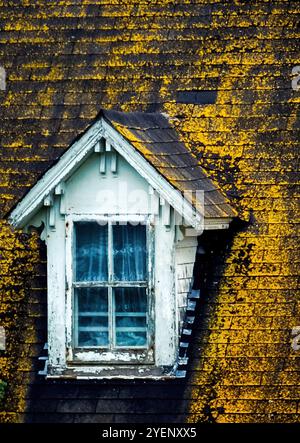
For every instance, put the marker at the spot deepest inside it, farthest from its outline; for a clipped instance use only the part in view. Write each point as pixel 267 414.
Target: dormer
pixel 121 211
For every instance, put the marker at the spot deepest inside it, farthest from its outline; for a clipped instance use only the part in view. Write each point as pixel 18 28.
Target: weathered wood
pixel 56 295
pixel 113 161
pixel 102 166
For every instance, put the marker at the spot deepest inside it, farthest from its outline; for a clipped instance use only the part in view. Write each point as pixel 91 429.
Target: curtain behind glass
pixel 92 316
pixel 131 316
pixel 129 305
pixel 91 251
pixel 129 252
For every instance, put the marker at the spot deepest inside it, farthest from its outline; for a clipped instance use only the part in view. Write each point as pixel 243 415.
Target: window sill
pixel 125 357
pixel 110 372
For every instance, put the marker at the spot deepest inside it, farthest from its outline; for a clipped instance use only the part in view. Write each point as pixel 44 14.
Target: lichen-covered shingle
pixel 66 59
pixel 154 137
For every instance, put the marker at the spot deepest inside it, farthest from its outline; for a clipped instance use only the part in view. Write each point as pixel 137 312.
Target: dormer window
pixel 110 284
pixel 121 212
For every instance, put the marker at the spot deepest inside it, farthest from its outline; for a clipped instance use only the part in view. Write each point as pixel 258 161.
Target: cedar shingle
pixel 154 137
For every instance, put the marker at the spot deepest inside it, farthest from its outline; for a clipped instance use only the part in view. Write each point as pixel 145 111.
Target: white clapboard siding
pixel 184 259
pixel 186 270
pixel 183 286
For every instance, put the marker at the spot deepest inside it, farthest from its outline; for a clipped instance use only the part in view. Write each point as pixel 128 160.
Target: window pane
pixel 129 252
pixel 131 316
pixel 130 300
pixel 131 321
pixel 92 317
pixel 131 339
pixel 91 252
pixel 92 300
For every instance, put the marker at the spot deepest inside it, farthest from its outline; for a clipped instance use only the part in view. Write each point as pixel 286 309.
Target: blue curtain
pixel 92 313
pixel 131 316
pixel 91 252
pixel 129 252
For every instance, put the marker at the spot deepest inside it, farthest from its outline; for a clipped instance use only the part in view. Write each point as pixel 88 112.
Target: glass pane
pixel 129 252
pixel 91 339
pixel 131 338
pixel 92 300
pixel 92 317
pixel 131 321
pixel 130 300
pixel 91 251
pixel 130 316
pixel 85 320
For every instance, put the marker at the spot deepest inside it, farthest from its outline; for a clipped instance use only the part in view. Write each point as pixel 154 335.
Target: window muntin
pixel 111 285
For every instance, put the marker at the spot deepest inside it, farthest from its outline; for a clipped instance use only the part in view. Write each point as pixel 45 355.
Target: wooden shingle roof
pixel 155 138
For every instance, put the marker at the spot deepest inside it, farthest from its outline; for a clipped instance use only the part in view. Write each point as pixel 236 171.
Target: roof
pixel 64 60
pixel 152 146
pixel 157 140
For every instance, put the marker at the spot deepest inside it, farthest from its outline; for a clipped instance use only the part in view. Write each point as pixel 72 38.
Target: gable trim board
pixel 104 127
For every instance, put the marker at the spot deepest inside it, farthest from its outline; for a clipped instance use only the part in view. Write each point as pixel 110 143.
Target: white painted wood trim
pixel 166 337
pixel 105 356
pixel 217 223
pixel 154 178
pixel 56 257
pixel 69 315
pixel 78 152
pixel 72 158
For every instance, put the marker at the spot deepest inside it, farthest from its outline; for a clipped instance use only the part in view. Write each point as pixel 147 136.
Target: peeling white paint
pixel 77 194
pixel 185 258
pixel 76 155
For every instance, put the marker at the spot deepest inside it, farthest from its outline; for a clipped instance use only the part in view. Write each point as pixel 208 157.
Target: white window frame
pixel 121 355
